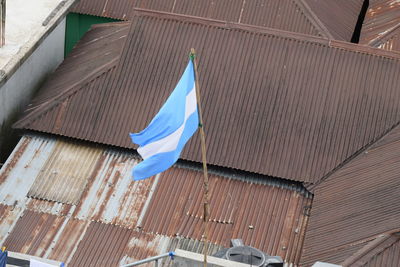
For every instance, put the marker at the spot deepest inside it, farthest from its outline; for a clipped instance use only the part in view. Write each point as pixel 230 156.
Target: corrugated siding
pixel 294 108
pixel 338 16
pixel 381 20
pixel 288 15
pixel 358 202
pixel 69 167
pixel 276 215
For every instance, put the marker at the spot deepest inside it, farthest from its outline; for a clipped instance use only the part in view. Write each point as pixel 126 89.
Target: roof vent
pixel 246 254
pixel 249 255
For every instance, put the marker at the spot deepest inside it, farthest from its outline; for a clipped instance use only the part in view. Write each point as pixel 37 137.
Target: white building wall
pixel 19 88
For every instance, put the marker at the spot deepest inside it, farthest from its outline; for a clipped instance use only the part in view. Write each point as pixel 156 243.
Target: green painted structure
pixel 77 25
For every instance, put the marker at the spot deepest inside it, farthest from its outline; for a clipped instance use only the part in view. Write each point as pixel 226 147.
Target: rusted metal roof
pixel 382 251
pixel 387 255
pixel 271 219
pixel 68 167
pixel 356 204
pixel 288 15
pixel 338 16
pixel 116 209
pixel 119 9
pixel 331 19
pixel 293 106
pixel 381 25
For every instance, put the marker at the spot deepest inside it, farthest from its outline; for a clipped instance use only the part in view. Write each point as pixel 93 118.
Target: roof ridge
pixel 369 247
pixel 314 20
pixel 365 241
pixel 352 47
pixel 385 37
pixel 351 158
pixel 57 100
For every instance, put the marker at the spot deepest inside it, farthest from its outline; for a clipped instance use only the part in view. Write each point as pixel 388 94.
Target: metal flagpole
pixel 203 152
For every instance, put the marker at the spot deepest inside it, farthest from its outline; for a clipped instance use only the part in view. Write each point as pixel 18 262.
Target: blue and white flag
pixel 161 143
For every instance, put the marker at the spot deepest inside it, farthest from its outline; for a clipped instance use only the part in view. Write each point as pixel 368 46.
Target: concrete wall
pixel 16 92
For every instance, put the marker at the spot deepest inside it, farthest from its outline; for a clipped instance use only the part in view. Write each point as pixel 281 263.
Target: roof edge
pixel 358 255
pixel 314 20
pixel 312 187
pixel 381 39
pixel 56 100
pixel 264 30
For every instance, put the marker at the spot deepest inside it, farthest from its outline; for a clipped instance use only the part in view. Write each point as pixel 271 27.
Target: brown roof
pixel 356 204
pixel 381 27
pixel 332 19
pixel 382 251
pixel 338 16
pixel 127 220
pixel 275 103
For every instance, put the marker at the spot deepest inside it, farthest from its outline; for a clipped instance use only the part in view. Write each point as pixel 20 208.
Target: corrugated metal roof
pixel 112 206
pixel 387 255
pixel 69 166
pixel 379 252
pixel 94 55
pixel 381 24
pixel 276 215
pixel 338 16
pixel 112 196
pixel 391 41
pixel 119 9
pixel 8 217
pixel 357 203
pixel 295 106
pixel 288 15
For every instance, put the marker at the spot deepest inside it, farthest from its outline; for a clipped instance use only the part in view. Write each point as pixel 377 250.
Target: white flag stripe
pixel 170 142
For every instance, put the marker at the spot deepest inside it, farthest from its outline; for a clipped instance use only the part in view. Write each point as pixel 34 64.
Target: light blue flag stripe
pixel 161 143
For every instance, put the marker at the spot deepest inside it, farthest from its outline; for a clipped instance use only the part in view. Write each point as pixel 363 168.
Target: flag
pixel 161 143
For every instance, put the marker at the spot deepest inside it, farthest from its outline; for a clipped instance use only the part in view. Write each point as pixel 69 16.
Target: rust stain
pixel 90 182
pixel 17 155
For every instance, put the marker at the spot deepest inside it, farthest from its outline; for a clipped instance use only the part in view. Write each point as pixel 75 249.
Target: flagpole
pixel 203 152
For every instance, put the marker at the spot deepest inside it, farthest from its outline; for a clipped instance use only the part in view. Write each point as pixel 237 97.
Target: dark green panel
pixel 77 25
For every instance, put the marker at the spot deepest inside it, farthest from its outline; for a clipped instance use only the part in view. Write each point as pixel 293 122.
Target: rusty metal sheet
pixel 33 233
pixel 338 16
pixel 288 15
pixel 391 41
pixel 381 23
pixel 112 196
pixel 22 168
pixel 271 219
pixel 69 167
pixel 267 213
pixel 356 203
pixel 45 235
pixel 109 245
pixel 379 252
pixel 388 255
pixel 295 106
pixel 9 215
